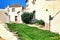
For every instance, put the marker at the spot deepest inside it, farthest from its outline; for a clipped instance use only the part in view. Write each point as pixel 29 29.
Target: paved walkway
pixel 5 34
pixel 46 27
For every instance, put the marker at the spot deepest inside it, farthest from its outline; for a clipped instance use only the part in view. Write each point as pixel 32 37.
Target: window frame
pixel 13 9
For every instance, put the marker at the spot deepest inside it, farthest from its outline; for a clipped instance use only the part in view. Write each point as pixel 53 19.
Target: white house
pixel 45 8
pixel 14 11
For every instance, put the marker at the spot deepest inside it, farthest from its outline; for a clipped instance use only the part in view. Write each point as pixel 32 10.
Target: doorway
pixel 15 18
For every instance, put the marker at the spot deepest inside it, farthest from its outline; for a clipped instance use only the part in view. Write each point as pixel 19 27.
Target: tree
pixel 27 17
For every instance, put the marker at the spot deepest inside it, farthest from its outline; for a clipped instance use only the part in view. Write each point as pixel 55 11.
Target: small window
pixel 34 14
pixel 8 9
pixel 22 8
pixel 15 18
pixel 13 9
pixel 6 14
pixel 46 9
pixel 34 11
pixel 18 12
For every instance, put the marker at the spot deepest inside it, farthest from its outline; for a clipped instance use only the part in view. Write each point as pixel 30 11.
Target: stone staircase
pixel 5 34
pixel 1 18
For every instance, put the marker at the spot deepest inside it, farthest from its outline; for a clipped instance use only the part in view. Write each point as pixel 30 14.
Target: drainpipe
pixel 50 18
pixel 56 14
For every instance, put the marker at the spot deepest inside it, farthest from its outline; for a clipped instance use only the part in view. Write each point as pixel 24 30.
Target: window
pixel 34 15
pixel 34 11
pixel 8 9
pixel 22 8
pixel 6 14
pixel 46 9
pixel 15 18
pixel 13 9
pixel 18 12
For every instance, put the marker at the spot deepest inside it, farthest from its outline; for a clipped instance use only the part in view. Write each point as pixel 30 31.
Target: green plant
pixel 39 22
pixel 27 17
pixel 36 22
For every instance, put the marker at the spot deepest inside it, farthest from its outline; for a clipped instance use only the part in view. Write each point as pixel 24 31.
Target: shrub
pixel 27 17
pixel 36 22
pixel 39 22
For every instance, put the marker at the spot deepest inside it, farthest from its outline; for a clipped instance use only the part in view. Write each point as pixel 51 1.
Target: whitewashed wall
pixel 31 6
pixel 41 6
pixel 13 14
pixel 55 24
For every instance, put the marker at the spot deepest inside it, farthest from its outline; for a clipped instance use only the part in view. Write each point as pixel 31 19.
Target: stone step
pixel 1 18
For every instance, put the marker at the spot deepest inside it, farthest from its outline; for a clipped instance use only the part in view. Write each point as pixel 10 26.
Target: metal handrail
pixel 56 14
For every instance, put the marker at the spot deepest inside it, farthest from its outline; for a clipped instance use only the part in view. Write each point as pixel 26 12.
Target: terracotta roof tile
pixel 15 5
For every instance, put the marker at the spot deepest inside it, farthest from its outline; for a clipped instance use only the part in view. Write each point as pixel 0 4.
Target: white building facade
pixel 43 9
pixel 14 12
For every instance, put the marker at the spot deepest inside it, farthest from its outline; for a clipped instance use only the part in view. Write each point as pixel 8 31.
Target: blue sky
pixel 4 3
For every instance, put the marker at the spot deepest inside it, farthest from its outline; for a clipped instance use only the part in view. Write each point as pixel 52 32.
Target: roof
pixel 15 5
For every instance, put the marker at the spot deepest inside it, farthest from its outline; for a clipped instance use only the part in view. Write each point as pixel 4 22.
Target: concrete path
pixel 5 34
pixel 46 27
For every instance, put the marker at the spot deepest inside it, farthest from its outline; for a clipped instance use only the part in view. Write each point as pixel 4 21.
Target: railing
pixel 50 18
pixel 56 14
